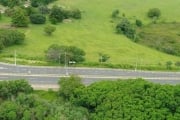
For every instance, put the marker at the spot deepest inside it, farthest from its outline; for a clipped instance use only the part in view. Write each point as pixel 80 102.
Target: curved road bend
pixel 50 75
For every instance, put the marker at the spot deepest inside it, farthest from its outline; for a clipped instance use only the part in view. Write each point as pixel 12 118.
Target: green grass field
pixel 95 32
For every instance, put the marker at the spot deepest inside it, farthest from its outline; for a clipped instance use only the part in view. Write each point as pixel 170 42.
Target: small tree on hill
pixel 56 15
pixel 154 14
pixel 138 23
pixel 49 29
pixel 115 13
pixel 10 37
pixel 76 14
pixel 64 54
pixel 19 18
pixel 103 57
pixel 177 64
pixel 125 27
pixel 169 64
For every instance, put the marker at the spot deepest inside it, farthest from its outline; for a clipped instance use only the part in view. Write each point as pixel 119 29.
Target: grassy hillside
pixel 163 37
pixel 95 32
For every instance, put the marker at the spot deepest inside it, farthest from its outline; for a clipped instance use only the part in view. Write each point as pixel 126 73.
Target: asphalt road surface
pixel 49 76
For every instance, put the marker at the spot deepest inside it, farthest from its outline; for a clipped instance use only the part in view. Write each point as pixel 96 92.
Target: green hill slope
pixel 95 32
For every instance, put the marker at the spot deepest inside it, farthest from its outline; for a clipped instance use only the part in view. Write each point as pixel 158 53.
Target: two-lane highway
pixel 50 75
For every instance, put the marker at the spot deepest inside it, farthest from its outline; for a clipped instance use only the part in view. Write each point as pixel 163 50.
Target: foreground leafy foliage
pixel 106 100
pixel 130 100
pixel 9 89
pixel 19 102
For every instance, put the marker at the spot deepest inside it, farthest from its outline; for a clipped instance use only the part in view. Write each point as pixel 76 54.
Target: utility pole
pixel 65 61
pixel 136 66
pixel 59 59
pixel 15 60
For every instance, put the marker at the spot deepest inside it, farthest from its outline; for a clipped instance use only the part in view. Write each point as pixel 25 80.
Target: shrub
pixel 20 18
pixel 9 12
pixel 43 9
pixel 169 64
pixel 36 3
pixel 56 15
pixel 115 13
pixel 177 64
pixel 37 18
pixel 10 3
pixel 154 13
pixel 76 14
pixel 125 27
pixel 1 46
pixel 12 88
pixel 138 23
pixel 49 29
pixel 31 10
pixel 10 37
pixel 68 86
pixel 103 57
pixel 67 14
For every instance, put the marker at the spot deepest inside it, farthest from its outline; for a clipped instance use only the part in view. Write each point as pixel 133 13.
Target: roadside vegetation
pixel 108 33
pixel 120 99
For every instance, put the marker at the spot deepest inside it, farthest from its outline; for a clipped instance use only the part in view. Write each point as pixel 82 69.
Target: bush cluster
pixel 21 15
pixel 37 18
pixel 9 89
pixel 10 37
pixel 36 3
pixel 64 54
pixel 154 13
pixel 18 101
pixel 57 14
pixel 10 3
pixel 126 28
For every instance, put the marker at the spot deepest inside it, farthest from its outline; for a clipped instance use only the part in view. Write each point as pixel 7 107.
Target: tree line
pixel 106 100
pixel 37 12
pixel 126 100
pixel 127 28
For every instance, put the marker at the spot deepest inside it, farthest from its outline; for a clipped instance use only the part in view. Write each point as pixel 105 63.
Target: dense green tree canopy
pixel 18 102
pixel 105 100
pixel 68 86
pixel 10 3
pixel 130 100
pixel 9 89
pixel 64 54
